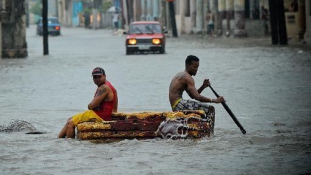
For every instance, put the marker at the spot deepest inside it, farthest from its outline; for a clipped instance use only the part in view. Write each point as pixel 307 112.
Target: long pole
pixel 230 113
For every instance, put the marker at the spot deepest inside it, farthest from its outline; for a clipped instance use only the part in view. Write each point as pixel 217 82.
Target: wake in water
pixel 17 126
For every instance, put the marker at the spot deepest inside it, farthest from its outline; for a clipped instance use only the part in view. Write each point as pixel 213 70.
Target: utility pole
pixel 172 15
pixel 282 22
pixel 128 7
pixel 45 27
pixel 273 22
pixel 277 20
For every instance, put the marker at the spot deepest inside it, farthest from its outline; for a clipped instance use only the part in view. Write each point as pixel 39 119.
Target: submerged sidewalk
pixel 243 42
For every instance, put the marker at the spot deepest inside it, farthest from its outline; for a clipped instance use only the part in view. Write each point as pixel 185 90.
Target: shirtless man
pixel 183 81
pixel 100 108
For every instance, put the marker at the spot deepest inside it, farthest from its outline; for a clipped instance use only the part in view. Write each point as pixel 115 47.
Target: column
pixel 308 22
pixel 251 9
pixel 182 5
pixel 239 17
pixel 136 10
pixel 143 10
pixel 163 13
pixel 199 16
pixel 229 16
pixel 205 11
pixel 13 29
pixel 221 15
pixel 149 16
pixel 0 39
pixel 214 9
pixel 155 10
pixel 2 6
pixel 193 13
pixel 301 19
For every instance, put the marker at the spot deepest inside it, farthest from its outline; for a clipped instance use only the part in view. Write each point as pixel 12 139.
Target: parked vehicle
pixel 54 27
pixel 145 36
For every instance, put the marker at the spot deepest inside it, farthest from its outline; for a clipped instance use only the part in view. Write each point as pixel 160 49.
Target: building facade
pixel 235 18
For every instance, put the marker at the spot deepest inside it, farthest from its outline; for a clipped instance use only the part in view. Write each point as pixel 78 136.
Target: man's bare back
pixel 178 86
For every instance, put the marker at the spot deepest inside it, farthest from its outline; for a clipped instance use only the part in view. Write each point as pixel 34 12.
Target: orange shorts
pixel 86 116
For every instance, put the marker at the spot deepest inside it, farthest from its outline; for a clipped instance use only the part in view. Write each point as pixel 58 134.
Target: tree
pixel 36 9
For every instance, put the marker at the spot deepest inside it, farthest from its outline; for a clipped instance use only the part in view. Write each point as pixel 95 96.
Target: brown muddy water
pixel 267 88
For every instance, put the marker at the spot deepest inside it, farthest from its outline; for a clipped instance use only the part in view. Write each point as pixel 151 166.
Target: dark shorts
pixel 210 28
pixel 192 105
pixel 116 25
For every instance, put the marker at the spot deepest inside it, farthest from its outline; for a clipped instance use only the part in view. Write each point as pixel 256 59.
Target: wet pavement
pixel 267 87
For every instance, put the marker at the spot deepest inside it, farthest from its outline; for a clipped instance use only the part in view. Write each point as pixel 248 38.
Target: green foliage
pixel 36 9
pixel 106 6
pixel 87 10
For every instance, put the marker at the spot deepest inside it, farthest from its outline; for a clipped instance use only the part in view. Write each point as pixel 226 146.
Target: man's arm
pixel 193 92
pixel 99 97
pixel 205 84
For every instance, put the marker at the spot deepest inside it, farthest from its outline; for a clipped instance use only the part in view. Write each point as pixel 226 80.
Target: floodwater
pixel 267 88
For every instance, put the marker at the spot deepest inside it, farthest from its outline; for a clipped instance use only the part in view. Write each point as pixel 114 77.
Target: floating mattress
pixel 149 125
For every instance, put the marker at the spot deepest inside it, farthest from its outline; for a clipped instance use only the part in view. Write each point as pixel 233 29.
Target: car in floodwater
pixel 54 27
pixel 145 36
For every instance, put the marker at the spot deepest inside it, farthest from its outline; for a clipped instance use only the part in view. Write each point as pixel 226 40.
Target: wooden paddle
pixel 230 112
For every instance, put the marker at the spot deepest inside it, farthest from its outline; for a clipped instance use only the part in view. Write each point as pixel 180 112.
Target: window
pixel 145 28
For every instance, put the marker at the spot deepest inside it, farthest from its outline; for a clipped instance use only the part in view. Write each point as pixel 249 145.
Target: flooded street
pixel 267 88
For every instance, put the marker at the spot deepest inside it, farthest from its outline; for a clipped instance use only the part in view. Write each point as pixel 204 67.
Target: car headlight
pixel 156 41
pixel 132 41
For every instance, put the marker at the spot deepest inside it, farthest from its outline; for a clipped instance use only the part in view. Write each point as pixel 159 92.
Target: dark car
pixel 145 36
pixel 54 27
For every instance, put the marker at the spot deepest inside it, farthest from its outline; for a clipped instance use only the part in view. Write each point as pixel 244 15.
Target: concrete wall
pixel 188 24
pixel 254 28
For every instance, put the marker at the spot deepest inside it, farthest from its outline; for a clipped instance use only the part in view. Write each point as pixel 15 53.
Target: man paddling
pixel 183 81
pixel 100 108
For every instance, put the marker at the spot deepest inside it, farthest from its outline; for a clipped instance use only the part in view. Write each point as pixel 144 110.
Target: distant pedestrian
pixel 86 16
pixel 115 20
pixel 210 18
pixel 264 17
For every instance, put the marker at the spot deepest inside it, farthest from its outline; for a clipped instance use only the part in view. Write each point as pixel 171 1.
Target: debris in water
pixel 173 129
pixel 20 125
